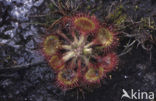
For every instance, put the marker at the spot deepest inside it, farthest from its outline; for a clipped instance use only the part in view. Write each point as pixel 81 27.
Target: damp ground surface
pixel 26 76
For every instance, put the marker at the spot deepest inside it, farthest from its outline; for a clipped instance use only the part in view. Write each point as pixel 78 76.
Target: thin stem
pixel 86 60
pixel 89 44
pixel 63 36
pixel 73 63
pixel 79 66
pixel 68 55
pixel 81 40
pixel 57 21
pixel 74 36
pixel 67 47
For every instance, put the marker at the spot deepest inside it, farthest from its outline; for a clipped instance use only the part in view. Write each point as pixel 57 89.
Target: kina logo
pixel 137 95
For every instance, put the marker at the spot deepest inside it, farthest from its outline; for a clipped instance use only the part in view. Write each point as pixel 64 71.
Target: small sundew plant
pixel 80 51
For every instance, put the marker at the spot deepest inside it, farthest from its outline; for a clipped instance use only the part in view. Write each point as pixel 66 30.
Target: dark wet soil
pixel 26 76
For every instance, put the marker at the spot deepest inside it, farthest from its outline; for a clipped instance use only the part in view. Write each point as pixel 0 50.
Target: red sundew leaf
pixel 106 39
pixel 85 23
pixel 93 75
pixel 50 45
pixel 67 79
pixel 56 63
pixel 109 62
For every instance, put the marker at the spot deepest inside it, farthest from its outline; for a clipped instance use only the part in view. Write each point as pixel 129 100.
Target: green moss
pixel 121 19
pixel 51 6
pixel 93 11
pixel 136 7
pixel 88 7
pixel 116 13
pixel 147 22
pixel 118 16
